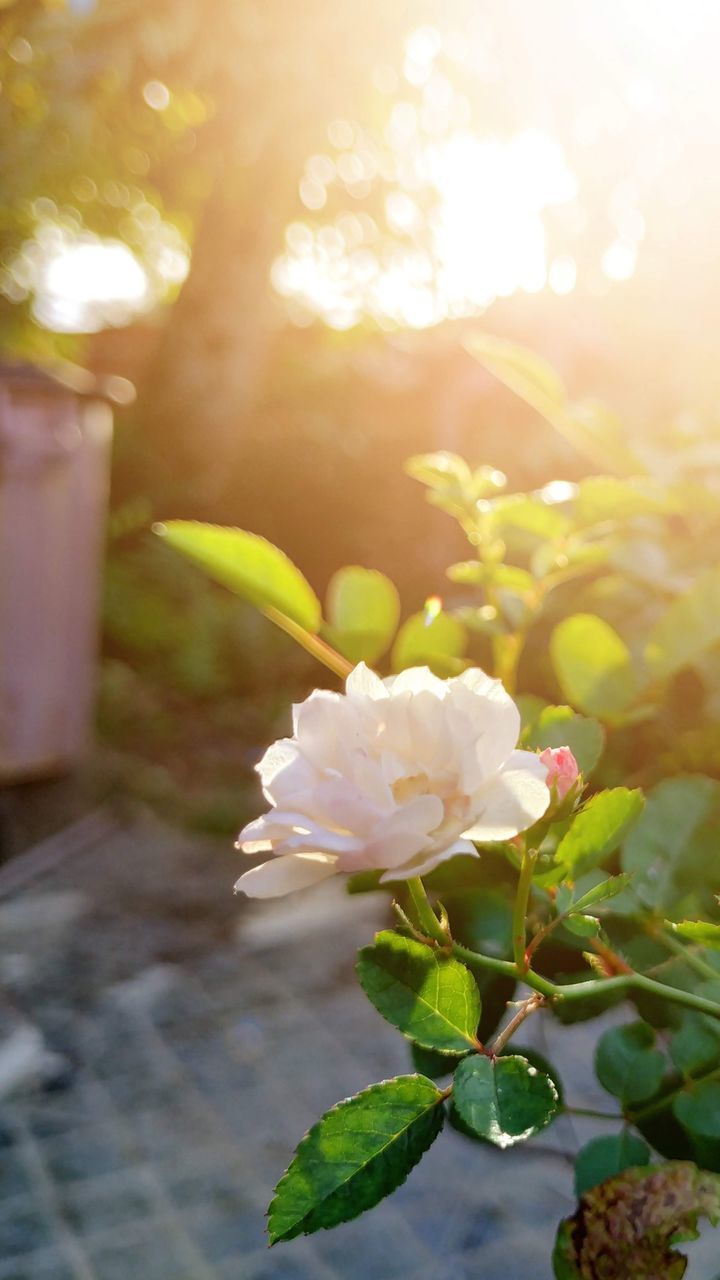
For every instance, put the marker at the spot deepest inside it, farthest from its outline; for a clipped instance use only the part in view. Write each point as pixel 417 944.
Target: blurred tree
pixel 205 111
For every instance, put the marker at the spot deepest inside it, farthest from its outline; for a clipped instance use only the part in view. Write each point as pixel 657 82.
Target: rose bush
pixel 586 893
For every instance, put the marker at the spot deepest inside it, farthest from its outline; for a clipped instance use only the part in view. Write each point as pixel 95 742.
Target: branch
pixel 526 1008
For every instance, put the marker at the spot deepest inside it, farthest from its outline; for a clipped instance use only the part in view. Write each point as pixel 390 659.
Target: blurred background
pixel 265 230
pixel 279 223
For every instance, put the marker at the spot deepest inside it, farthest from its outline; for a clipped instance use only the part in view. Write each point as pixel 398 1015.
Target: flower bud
pixel 562 770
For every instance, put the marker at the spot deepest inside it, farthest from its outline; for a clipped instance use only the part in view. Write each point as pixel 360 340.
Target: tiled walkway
pixel 188 1040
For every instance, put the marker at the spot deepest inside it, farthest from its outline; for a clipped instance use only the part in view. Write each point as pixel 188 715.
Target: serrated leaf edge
pixel 473 1044
pixel 343 1102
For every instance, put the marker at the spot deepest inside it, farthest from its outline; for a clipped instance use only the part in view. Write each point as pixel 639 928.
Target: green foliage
pixel 432 999
pixel 453 485
pixel 593 666
pixel 695 1045
pixel 708 935
pixel 603 1158
pixel 359 1152
pixel 687 629
pixel 250 566
pixel 602 498
pixel 504 1100
pixel 602 892
pixel 521 370
pixel 627 1225
pixel 582 925
pixel 590 427
pixel 698 1111
pixel 586 586
pixel 627 1063
pixel 363 612
pixel 438 642
pixel 672 845
pixel 540 1063
pixel 598 829
pixel 433 1063
pixel 532 514
pixel 562 727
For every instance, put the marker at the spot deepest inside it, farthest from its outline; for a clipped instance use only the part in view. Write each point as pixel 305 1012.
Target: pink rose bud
pixel 562 769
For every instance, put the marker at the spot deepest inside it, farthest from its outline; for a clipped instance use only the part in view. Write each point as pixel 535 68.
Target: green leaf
pixel 355 1155
pixel 504 1100
pixel 590 427
pixel 540 1063
pixel 598 829
pixel 365 882
pixel 453 486
pixel 700 931
pixel 467 572
pixel 363 611
pixel 530 707
pixel 563 899
pixel 607 498
pixel 627 1064
pixel 438 643
pixel 596 431
pixel 432 999
pixel 696 1043
pixel 432 1063
pixel 524 372
pixel 698 1111
pixel 603 1158
pixel 250 566
pixel 674 840
pixel 508 577
pixel 562 727
pixel 593 666
pixel 530 513
pixel 688 629
pixel 441 470
pixel 627 1226
pixel 583 926
pixel 602 892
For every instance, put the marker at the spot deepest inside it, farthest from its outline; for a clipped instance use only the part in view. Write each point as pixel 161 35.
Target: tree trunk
pixel 202 388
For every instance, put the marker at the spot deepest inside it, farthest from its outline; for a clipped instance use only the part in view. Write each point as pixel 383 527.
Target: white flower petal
pixel 423 864
pixel 364 683
pixel 262 833
pixel 286 874
pixel 511 801
pixel 479 682
pixel 295 778
pixel 341 805
pixel 497 727
pixel 277 757
pixel 416 680
pixel 405 833
pixel 322 840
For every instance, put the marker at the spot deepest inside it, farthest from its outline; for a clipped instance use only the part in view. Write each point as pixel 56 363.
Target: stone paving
pixel 166 1046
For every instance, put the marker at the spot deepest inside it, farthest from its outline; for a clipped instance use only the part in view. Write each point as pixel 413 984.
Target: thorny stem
pixel 624 982
pixel 427 919
pixel 621 983
pixel 541 935
pixel 695 962
pixel 521 907
pixel 526 1008
pixel 613 961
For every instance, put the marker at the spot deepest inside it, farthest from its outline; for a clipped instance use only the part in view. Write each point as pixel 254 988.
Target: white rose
pixel 398 775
